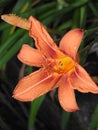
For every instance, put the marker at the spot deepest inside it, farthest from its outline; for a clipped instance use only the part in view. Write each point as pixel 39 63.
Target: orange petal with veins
pixel 81 81
pixel 31 56
pixel 35 85
pixel 66 96
pixel 71 42
pixel 43 40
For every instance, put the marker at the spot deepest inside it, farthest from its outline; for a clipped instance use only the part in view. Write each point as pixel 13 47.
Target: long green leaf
pixel 65 119
pixel 94 121
pixel 13 50
pixel 11 40
pixel 35 105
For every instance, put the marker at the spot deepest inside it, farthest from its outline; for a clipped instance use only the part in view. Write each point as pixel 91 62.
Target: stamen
pixel 63 65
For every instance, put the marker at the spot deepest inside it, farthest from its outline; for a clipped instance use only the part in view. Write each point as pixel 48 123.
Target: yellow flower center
pixel 63 65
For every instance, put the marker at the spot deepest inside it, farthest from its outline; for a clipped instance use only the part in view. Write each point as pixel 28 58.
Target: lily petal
pixel 71 42
pixel 42 39
pixel 35 85
pixel 66 96
pixel 81 81
pixel 31 56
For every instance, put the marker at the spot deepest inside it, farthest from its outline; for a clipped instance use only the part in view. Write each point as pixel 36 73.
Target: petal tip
pixel 79 30
pixel 14 96
pixel 19 98
pixel 72 110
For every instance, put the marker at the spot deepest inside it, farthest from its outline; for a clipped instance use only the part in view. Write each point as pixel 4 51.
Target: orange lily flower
pixel 58 65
